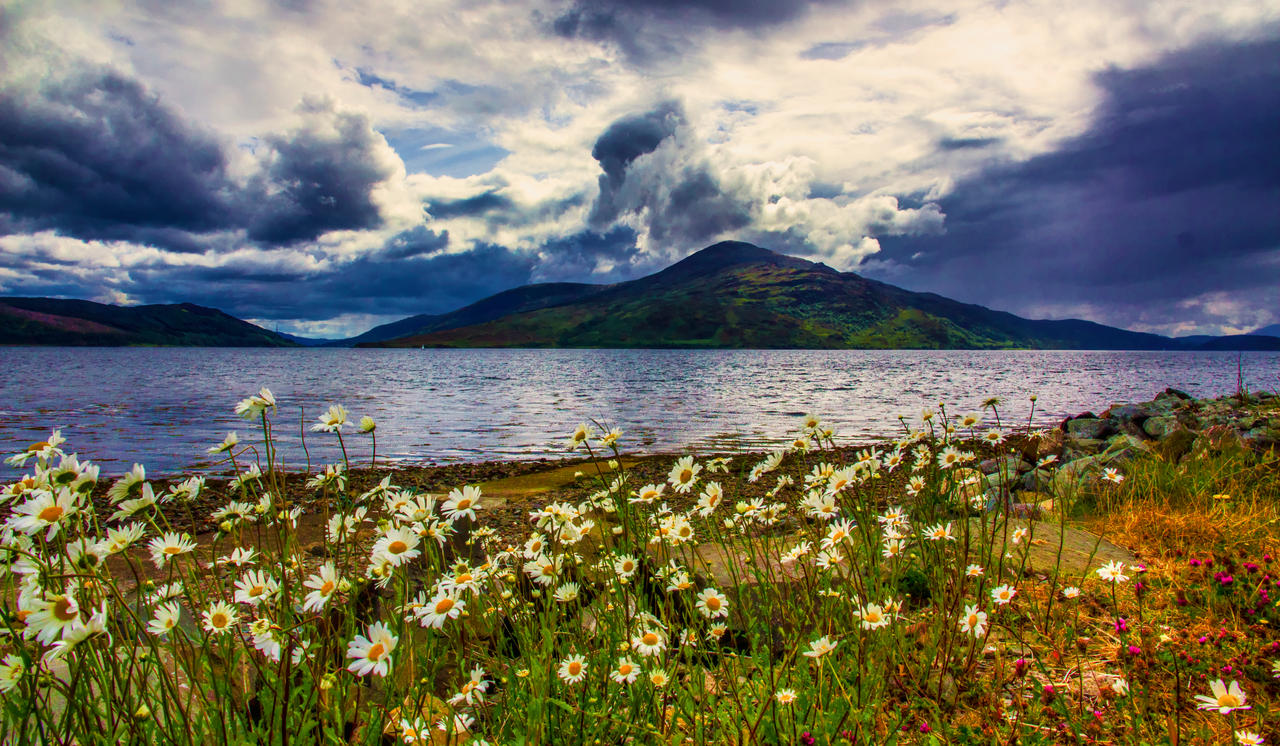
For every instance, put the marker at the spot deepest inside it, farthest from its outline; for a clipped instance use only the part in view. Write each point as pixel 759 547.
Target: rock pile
pixel 1174 425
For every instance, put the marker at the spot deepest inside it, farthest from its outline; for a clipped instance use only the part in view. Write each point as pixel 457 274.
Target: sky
pixel 322 167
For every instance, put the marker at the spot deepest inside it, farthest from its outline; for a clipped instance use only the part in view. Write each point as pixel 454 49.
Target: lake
pixel 163 407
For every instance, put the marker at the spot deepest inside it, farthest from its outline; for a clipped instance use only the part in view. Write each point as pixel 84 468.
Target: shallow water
pixel 164 406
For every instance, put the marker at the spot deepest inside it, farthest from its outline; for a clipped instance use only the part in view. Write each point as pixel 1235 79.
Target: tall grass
pixel 768 602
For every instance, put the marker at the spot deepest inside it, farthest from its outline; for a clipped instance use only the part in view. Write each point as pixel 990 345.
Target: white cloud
pixel 1010 79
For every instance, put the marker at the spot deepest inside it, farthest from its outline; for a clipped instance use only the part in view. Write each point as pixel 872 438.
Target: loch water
pixel 163 407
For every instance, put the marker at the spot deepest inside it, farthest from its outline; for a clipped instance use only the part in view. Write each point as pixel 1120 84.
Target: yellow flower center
pixel 65 610
pixel 686 475
pixel 51 513
pixel 625 669
pixel 575 668
pixel 649 638
pixel 1228 700
pixel 219 619
pixel 257 590
pixel 444 605
pixel 172 549
pixel 465 577
pixel 327 588
pixel 397 547
pixel 376 651
pixel 464 503
pixel 38 446
pixel 713 603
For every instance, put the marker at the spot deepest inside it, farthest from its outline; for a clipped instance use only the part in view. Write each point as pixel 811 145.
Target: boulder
pixel 1092 428
pixel 1072 477
pixel 1159 427
pixel 1172 394
pixel 1121 413
pixel 1077 448
pixel 1009 465
pixel 1176 444
pixel 1262 438
pixel 1122 449
pixel 1042 443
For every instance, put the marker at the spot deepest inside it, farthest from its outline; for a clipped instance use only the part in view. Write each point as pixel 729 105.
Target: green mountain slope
pixel 516 300
pixel 738 295
pixel 54 321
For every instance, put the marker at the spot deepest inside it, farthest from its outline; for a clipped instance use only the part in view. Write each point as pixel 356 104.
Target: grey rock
pixel 1076 447
pixel 1121 449
pixel 1073 476
pixel 1160 427
pixel 1089 427
pixel 1172 393
pixel 1010 465
pixel 1129 412
pixel 1176 444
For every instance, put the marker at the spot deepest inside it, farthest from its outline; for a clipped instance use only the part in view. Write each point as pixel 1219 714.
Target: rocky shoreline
pixel 1174 426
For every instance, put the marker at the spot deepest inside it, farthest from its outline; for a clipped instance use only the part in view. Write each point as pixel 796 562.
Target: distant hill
pixel 738 295
pixel 1241 342
pixel 54 321
pixel 1267 331
pixel 516 300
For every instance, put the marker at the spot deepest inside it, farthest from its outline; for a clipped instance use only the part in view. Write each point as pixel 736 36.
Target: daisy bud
pixel 327 682
pixel 613 464
pixel 142 713
pixel 225 527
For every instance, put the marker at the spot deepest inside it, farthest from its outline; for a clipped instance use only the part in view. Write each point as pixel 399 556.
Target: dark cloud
pixel 590 256
pixel 652 173
pixel 417 241
pixel 651 30
pixel 1171 194
pixel 967 143
pixel 95 155
pixel 480 204
pixel 620 144
pixel 320 178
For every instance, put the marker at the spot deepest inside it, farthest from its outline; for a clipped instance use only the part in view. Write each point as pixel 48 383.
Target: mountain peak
pixel 726 254
pixel 734 252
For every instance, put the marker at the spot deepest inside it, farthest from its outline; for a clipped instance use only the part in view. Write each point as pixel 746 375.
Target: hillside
pixel 54 321
pixel 516 300
pixel 737 295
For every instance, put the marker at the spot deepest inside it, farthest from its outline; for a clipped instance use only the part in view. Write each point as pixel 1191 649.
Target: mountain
pixel 739 295
pixel 308 341
pixel 54 321
pixel 516 300
pixel 1241 342
pixel 1267 331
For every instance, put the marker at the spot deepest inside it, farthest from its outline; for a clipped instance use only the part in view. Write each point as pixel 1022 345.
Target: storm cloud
pixel 320 177
pixel 654 175
pixel 1167 202
pixel 647 30
pixel 96 155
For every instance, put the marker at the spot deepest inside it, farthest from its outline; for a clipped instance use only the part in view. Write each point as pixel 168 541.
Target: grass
pixel 790 602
